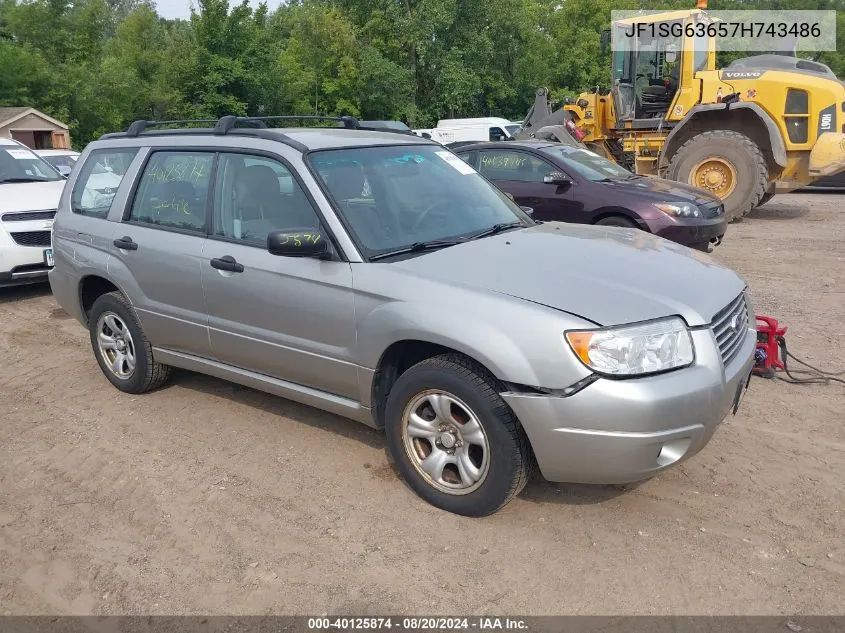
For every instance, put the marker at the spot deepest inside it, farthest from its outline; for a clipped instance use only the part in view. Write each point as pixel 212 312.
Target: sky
pixel 182 8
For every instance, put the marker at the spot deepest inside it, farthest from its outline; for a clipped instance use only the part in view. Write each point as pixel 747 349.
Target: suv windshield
pixel 588 164
pixel 18 164
pixel 395 197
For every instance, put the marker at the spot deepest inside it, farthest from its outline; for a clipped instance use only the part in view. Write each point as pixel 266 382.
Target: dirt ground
pixel 209 498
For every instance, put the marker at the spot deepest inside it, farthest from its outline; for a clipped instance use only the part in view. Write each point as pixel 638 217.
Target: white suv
pixel 29 194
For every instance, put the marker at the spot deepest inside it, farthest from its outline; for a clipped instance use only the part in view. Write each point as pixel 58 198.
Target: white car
pixel 62 159
pixel 29 194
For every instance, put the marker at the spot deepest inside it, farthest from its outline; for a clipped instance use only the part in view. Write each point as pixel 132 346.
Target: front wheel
pixel 453 438
pixel 617 220
pixel 727 164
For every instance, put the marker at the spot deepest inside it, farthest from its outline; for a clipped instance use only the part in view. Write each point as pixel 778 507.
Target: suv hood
pixel 607 275
pixel 654 189
pixel 30 196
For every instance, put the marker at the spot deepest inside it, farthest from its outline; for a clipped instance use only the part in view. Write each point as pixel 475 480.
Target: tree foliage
pixel 100 64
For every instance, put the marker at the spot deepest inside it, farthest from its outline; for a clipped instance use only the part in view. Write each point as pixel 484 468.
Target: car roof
pixel 326 138
pixel 7 141
pixel 301 138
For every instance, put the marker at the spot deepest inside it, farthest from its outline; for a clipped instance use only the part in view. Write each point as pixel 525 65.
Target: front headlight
pixel 634 350
pixel 679 209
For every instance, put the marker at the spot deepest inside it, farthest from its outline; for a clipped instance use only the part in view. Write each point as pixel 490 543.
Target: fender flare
pixel 105 276
pixel 775 137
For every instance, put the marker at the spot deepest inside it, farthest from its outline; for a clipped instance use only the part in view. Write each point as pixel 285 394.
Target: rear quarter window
pixel 99 179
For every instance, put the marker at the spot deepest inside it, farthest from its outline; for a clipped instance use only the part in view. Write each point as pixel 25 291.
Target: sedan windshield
pixel 61 160
pixel 18 164
pixel 588 164
pixel 400 197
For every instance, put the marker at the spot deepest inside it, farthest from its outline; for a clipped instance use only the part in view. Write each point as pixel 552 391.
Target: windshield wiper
pixel 417 247
pixel 4 180
pixel 496 228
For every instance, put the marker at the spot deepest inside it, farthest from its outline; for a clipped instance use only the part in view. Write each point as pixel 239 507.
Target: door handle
pixel 227 262
pixel 125 243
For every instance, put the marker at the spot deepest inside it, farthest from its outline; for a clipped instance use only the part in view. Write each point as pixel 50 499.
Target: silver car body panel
pixel 315 331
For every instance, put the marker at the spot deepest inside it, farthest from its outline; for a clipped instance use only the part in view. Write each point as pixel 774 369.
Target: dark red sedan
pixel 569 183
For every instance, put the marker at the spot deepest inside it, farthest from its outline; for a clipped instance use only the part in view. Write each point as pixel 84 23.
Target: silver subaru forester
pixel 377 276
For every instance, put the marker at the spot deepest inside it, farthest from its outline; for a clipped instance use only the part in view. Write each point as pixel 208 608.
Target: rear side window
pixel 99 179
pixel 173 191
pixel 514 166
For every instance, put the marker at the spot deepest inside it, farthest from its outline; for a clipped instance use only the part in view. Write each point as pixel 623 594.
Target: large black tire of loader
pixel 740 151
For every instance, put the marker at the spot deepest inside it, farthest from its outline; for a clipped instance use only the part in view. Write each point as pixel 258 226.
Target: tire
pixel 729 148
pixel 123 352
pixel 495 444
pixel 617 220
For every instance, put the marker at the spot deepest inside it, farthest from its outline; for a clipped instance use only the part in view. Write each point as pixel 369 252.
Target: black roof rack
pixel 245 125
pixel 227 123
pixel 139 126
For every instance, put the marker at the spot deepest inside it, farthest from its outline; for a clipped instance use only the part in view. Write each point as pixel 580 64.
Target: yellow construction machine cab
pixel 765 124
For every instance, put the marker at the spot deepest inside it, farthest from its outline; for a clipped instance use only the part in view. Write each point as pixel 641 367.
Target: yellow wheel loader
pixel 763 125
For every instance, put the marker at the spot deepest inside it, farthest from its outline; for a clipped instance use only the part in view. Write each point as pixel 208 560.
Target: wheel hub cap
pixel 445 442
pixel 716 175
pixel 114 342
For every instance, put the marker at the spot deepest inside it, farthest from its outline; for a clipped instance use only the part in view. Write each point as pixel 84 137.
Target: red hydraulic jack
pixel 767 358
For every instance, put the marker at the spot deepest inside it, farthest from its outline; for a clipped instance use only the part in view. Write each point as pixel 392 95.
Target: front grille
pixel 32 238
pixel 729 327
pixel 712 210
pixel 28 215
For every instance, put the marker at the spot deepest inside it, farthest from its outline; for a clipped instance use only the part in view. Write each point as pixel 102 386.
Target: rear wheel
pixel 453 438
pixel 122 350
pixel 727 164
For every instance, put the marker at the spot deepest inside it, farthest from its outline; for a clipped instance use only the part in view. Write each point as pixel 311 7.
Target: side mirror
pixel 304 243
pixel 528 210
pixel 64 170
pixel 557 178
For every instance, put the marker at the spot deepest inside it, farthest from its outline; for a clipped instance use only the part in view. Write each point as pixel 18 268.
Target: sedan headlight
pixel 634 350
pixel 679 209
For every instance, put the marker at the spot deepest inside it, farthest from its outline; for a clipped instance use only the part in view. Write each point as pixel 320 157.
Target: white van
pixel 478 129
pixel 30 189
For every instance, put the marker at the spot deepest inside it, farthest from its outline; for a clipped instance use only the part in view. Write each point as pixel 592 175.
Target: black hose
pixel 819 378
pixel 815 369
